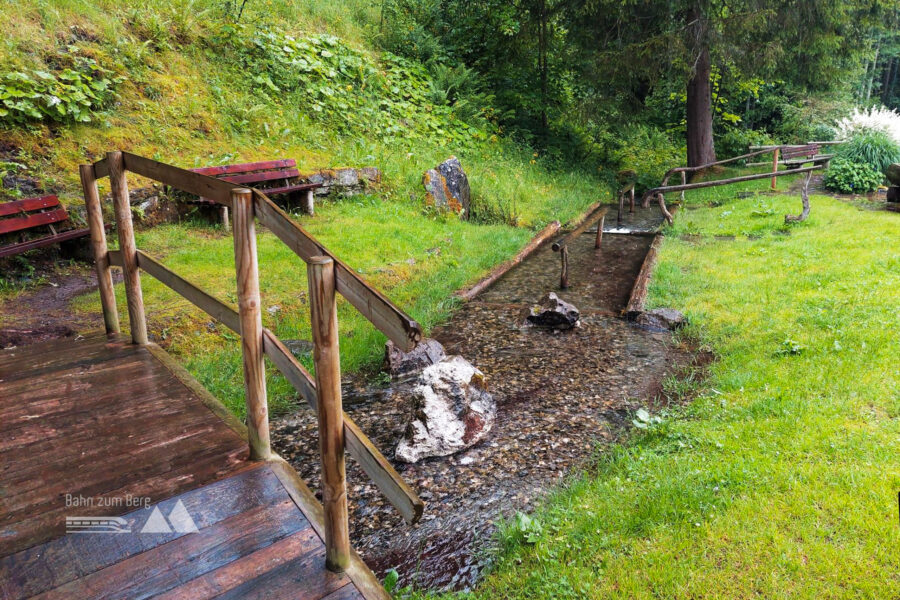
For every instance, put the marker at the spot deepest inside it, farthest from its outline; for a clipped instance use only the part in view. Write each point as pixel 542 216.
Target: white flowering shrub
pixel 877 118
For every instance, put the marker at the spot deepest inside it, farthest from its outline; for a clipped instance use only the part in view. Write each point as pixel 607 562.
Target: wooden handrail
pixel 380 311
pixel 373 305
pixel 717 182
pixel 373 462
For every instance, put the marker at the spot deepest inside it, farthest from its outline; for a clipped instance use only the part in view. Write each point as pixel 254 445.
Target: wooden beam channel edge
pixel 642 283
pixel 536 242
pixel 372 461
pixel 596 213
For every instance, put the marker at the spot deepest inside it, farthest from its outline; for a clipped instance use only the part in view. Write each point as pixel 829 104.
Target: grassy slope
pixel 187 103
pixel 781 478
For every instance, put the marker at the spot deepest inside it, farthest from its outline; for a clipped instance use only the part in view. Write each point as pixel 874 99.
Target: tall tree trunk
pixel 542 66
pixel 700 147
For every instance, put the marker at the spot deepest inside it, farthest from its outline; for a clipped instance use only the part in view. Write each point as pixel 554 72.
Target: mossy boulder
pixel 447 188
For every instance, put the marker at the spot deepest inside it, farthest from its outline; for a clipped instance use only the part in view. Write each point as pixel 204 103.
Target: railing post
pixel 98 246
pixel 127 245
pixel 327 358
pixel 775 167
pixel 564 268
pixel 251 323
pixel 599 237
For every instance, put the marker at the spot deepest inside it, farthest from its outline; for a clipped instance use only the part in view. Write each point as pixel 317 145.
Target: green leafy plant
pixel 644 420
pixel 526 529
pixel 871 147
pixel 64 96
pixel 790 347
pixel 849 177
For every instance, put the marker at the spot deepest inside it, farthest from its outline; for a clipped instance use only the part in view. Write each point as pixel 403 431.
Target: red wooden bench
pixel 274 177
pixel 28 213
pixel 797 156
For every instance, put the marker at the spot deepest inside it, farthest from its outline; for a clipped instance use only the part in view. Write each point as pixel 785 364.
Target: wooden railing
pixel 664 187
pixel 326 275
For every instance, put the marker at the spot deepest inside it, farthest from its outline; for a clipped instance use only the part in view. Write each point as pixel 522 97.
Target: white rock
pixel 452 411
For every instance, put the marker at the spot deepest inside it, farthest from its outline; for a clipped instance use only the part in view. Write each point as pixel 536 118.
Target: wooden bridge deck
pixel 101 427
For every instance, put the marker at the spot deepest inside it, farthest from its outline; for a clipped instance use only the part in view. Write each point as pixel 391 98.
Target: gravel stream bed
pixel 561 398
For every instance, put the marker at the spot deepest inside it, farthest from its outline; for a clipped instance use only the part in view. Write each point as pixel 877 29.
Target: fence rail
pixel 326 275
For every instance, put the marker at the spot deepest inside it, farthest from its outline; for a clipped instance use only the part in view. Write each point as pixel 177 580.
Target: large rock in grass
pixel 452 411
pixel 553 313
pixel 447 188
pixel 402 364
pixel 662 319
pixel 345 181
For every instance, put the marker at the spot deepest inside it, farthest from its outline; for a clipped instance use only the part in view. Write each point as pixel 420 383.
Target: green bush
pixel 649 152
pixel 64 96
pixel 848 177
pixel 735 142
pixel 871 147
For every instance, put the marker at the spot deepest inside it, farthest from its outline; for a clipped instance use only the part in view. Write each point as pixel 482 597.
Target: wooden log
pixel 594 214
pixel 99 248
pixel 193 183
pixel 500 270
pixel 208 304
pixel 125 227
pixel 380 311
pixel 639 292
pixel 774 184
pixel 223 217
pixel 705 184
pixel 599 237
pixel 804 195
pixel 245 261
pixel 372 461
pixel 327 358
pixel 564 268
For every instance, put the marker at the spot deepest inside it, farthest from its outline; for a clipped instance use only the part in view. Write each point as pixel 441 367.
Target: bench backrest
pixel 257 172
pixel 808 150
pixel 30 212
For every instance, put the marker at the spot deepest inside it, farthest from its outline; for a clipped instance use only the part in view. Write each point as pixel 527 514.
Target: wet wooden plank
pixel 74 556
pixel 106 418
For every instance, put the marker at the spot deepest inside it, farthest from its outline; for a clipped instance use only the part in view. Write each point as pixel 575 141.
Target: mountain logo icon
pixel 179 521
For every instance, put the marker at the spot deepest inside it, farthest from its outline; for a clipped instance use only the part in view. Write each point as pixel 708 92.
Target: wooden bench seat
pixel 28 213
pixel 261 175
pixel 796 157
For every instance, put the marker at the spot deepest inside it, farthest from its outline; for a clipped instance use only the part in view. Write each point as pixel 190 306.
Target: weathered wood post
pixel 775 167
pixel 132 275
pixel 683 182
pixel 327 358
pixel 599 232
pixel 250 314
pixel 308 200
pixel 99 248
pixel 564 270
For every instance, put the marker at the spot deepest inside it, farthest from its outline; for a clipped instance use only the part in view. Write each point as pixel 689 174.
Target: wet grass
pixel 780 477
pixel 417 261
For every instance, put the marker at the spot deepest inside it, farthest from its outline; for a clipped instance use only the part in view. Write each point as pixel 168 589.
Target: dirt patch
pixel 44 313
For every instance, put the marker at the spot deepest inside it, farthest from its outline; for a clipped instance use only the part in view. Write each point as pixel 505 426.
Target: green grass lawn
pixel 418 261
pixel 779 479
